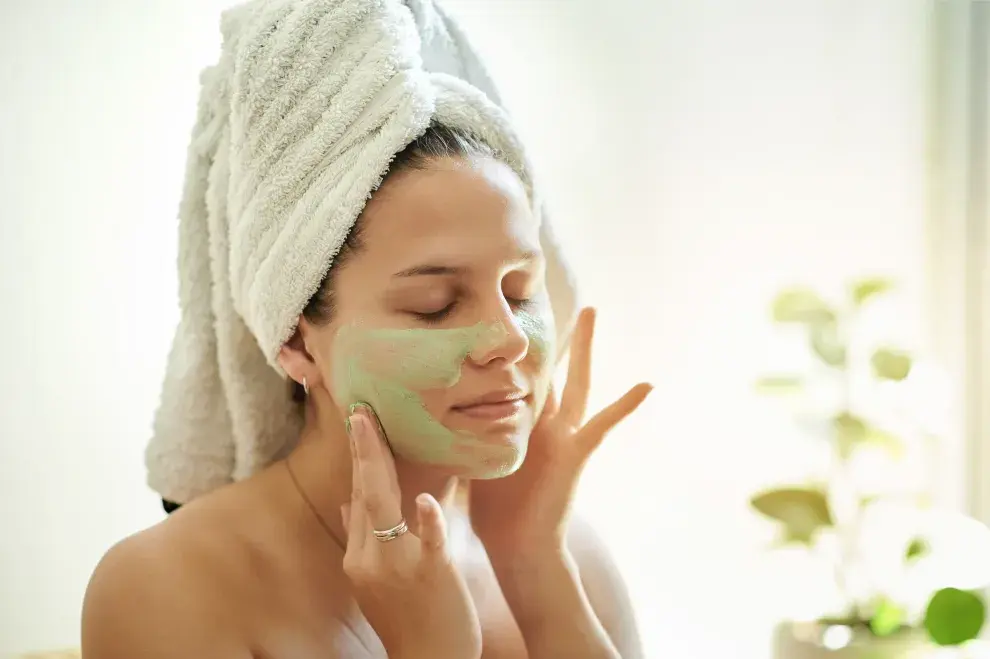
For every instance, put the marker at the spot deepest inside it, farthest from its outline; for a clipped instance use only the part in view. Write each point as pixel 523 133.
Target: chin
pixel 497 460
pixel 485 449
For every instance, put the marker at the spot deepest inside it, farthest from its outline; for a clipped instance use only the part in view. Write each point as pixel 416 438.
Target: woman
pixel 424 360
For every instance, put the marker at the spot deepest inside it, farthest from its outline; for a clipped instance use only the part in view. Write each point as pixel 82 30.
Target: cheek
pixel 542 359
pixel 541 392
pixel 399 372
pixel 541 331
pixel 434 401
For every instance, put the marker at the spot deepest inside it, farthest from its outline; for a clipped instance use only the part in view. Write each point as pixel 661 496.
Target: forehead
pixel 465 209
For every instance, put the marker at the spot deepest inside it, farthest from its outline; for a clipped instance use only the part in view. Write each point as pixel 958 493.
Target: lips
pixel 495 406
pixel 493 411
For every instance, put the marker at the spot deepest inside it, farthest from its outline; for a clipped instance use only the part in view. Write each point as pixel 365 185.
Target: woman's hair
pixel 437 142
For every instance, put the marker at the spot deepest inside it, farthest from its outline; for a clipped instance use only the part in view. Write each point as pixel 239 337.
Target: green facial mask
pixel 388 369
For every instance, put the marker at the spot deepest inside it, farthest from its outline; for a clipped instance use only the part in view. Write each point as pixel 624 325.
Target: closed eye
pixel 434 317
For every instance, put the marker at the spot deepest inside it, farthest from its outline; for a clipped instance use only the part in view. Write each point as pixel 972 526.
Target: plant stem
pixel 847 529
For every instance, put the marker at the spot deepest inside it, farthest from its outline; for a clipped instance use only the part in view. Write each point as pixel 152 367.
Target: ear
pixel 296 360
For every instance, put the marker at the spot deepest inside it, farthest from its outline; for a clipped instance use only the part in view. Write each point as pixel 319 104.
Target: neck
pixel 321 463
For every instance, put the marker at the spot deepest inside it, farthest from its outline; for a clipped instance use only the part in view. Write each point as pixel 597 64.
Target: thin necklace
pixel 312 508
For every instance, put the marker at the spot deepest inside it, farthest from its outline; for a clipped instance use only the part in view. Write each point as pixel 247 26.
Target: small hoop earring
pixel 305 386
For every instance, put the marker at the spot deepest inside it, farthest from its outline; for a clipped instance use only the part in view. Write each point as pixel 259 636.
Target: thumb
pixel 432 526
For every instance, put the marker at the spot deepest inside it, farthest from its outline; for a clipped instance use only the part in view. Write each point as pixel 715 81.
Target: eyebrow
pixel 420 270
pixel 429 269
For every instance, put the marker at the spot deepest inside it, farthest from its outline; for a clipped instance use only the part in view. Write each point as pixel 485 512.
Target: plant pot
pixel 816 640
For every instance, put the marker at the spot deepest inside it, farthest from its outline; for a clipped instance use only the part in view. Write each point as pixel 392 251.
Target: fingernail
pixel 347 425
pixel 355 408
pixel 368 412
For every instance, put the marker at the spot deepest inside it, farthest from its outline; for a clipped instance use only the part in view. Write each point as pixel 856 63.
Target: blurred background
pixel 723 174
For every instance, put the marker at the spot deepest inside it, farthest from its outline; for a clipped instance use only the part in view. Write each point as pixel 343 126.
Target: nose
pixel 504 341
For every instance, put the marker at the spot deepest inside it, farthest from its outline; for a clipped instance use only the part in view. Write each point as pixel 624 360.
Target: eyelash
pixel 436 317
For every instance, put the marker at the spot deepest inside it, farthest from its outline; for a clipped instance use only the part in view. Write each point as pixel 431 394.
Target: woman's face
pixel 442 322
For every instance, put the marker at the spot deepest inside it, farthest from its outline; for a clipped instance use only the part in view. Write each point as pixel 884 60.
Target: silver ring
pixel 391 534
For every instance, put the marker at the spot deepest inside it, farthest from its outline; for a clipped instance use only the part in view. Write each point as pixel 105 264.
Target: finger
pixel 358 528
pixel 358 535
pixel 592 434
pixel 381 505
pixel 432 528
pixel 357 525
pixel 574 400
pixel 381 444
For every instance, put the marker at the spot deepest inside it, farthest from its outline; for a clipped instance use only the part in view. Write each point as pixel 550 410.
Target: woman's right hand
pixel 407 588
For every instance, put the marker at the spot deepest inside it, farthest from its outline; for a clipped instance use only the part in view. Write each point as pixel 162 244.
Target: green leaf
pixel 780 384
pixel 916 549
pixel 850 431
pixel 802 511
pixel 864 289
pixel 954 616
pixel 885 440
pixel 891 364
pixel 868 500
pixel 801 305
pixel 887 618
pixel 826 344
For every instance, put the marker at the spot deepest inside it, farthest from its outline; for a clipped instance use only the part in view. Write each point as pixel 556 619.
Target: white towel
pixel 297 124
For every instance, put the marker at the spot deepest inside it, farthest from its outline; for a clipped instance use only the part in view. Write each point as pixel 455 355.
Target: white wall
pixel 703 154
pixel 698 155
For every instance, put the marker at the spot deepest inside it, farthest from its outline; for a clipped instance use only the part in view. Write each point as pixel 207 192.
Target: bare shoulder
pixel 590 552
pixel 153 595
pixel 226 577
pixel 604 586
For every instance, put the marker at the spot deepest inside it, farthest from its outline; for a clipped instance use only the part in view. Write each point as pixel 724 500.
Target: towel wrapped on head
pixel 297 124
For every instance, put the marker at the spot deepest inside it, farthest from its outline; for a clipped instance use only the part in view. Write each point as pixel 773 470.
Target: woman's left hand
pixel 528 510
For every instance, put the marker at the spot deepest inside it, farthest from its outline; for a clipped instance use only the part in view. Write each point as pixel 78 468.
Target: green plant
pixel 952 616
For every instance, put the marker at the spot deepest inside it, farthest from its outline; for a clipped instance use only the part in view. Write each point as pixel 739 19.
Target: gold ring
pixel 391 534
